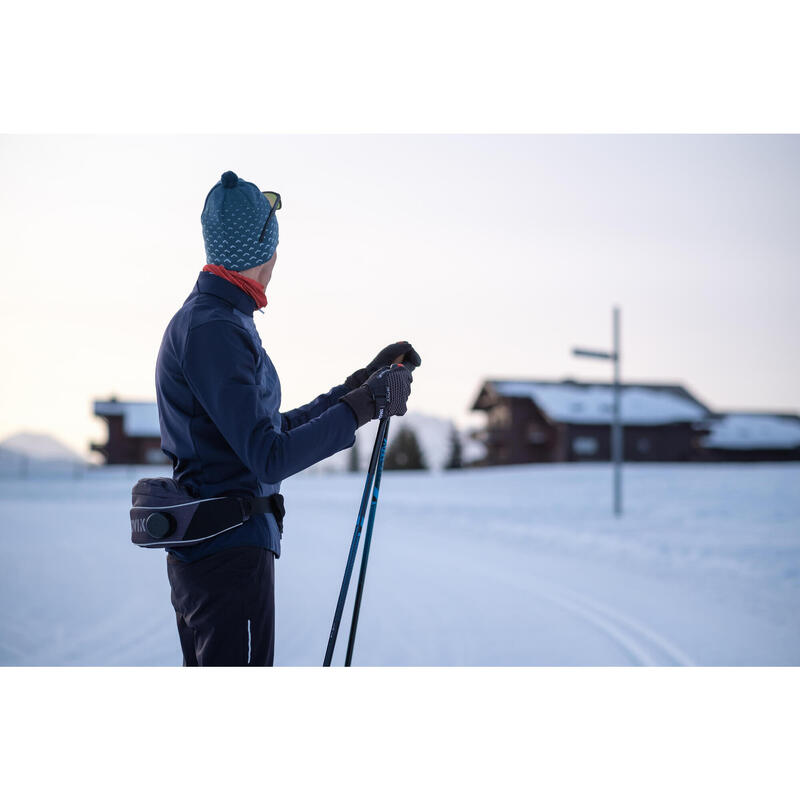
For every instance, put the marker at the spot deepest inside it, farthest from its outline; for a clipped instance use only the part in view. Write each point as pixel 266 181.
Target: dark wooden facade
pixel 121 447
pixel 673 442
pixel 751 454
pixel 518 432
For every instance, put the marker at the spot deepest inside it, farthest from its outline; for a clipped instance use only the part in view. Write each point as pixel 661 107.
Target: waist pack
pixel 164 514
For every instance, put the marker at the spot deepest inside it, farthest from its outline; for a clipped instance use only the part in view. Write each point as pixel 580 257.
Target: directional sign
pixel 593 354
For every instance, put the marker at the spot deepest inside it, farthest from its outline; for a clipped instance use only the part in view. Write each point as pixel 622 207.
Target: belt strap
pixel 273 504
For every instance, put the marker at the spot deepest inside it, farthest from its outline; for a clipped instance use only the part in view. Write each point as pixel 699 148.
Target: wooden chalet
pixel 554 421
pixel 134 435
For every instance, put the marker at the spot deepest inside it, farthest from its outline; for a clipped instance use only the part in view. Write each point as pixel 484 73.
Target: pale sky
pixel 493 255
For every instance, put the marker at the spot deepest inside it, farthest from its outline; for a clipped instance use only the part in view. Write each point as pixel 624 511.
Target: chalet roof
pixel 138 418
pixel 592 403
pixel 754 431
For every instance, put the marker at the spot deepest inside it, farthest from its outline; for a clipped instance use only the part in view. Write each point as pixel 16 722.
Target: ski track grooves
pixel 644 646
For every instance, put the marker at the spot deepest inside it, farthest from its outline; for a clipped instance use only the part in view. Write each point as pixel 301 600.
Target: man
pixel 218 404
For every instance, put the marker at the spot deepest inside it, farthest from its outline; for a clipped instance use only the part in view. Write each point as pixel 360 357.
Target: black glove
pixel 387 356
pixel 384 394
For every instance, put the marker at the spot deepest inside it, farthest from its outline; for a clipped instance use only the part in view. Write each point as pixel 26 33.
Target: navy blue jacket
pixel 218 406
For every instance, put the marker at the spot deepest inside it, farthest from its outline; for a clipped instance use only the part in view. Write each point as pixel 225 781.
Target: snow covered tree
pixel 404 451
pixel 455 459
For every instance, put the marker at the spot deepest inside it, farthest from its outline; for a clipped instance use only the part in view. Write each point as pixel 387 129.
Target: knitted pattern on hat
pixel 233 218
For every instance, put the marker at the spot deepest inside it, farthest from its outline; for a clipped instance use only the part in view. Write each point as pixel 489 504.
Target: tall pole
pixel 616 431
pixel 617 448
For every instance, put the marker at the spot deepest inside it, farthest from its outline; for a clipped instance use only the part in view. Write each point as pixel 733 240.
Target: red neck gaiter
pixel 250 287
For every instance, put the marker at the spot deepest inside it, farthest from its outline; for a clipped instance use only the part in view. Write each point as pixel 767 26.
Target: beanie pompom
pixel 229 179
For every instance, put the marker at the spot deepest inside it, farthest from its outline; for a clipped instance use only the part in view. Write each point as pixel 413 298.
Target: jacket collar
pixel 208 283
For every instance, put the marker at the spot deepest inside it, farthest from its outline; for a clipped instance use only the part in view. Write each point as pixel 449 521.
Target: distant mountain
pixel 433 435
pixel 39 446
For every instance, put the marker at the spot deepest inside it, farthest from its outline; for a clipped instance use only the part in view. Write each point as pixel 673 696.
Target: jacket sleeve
pixel 303 414
pixel 219 365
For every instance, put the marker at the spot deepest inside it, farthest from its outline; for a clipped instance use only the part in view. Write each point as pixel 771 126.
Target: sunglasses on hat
pixel 274 200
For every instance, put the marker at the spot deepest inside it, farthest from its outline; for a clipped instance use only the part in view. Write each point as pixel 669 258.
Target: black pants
pixel 225 607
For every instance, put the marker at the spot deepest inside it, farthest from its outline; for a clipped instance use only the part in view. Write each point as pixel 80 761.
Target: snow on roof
pixel 754 432
pixel 138 419
pixel 592 404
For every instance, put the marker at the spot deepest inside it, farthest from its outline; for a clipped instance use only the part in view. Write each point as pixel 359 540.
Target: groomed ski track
pixel 520 566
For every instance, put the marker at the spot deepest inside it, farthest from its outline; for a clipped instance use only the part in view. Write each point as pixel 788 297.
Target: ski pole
pixel 365 554
pixel 348 571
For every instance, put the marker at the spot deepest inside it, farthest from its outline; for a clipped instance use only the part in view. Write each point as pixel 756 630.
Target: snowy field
pixel 503 566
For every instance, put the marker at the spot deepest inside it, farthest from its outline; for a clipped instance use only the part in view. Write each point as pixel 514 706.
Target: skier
pixel 218 404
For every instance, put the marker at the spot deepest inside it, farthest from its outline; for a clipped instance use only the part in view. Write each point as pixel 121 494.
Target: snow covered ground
pixel 513 566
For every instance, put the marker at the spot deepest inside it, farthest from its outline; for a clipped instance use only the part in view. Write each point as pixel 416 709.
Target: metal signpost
pixel 616 420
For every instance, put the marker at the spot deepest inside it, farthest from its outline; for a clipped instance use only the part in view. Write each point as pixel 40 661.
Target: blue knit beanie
pixel 233 218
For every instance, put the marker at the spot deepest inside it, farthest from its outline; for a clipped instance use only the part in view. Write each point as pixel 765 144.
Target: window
pixel 536 435
pixel 584 445
pixel 643 445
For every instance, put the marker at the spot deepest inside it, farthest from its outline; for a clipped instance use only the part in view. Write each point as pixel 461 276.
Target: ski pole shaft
pixel 365 554
pixel 337 617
